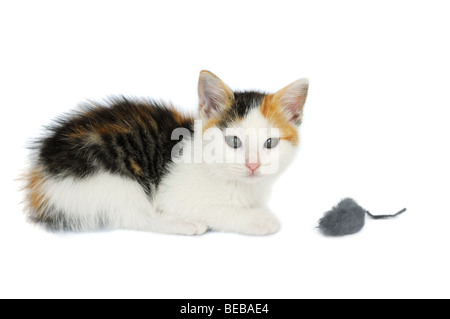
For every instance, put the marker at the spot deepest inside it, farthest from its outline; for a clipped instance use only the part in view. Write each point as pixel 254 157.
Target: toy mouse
pixel 347 218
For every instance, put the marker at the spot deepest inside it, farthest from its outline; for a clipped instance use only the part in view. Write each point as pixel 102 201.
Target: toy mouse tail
pixel 386 216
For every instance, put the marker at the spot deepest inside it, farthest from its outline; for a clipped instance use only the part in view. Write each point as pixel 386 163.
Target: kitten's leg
pixel 240 220
pixel 157 222
pixel 164 224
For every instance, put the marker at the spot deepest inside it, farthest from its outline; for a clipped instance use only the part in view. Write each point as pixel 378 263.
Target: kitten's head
pixel 250 136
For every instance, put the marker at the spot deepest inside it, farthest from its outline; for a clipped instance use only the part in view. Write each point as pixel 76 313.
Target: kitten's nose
pixel 253 166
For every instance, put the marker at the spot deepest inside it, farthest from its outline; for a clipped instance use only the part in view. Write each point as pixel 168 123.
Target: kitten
pixel 138 164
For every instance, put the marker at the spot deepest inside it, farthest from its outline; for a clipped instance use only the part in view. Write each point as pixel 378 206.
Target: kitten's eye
pixel 233 141
pixel 271 142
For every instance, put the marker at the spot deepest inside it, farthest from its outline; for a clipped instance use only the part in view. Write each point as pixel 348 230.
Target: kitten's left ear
pixel 292 98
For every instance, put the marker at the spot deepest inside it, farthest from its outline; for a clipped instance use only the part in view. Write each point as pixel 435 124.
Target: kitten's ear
pixel 214 95
pixel 292 98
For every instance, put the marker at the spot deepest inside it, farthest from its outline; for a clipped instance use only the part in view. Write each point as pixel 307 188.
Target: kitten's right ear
pixel 214 95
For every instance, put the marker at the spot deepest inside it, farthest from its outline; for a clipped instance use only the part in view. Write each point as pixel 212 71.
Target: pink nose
pixel 253 166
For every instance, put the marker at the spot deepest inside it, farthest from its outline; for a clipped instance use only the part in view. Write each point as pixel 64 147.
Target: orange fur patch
pixel 211 123
pixel 111 128
pixel 79 133
pixel 100 129
pixel 137 169
pixel 36 196
pixel 271 109
pixel 179 118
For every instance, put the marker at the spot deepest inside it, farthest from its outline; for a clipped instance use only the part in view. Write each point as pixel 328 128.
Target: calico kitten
pixel 122 164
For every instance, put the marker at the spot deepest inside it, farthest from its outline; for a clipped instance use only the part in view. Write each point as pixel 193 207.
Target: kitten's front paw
pixel 190 228
pixel 262 224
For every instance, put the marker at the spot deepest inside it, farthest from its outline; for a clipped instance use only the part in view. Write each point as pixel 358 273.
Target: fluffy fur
pixel 346 218
pixel 120 164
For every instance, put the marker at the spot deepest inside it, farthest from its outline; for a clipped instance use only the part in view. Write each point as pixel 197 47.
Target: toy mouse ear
pixel 292 99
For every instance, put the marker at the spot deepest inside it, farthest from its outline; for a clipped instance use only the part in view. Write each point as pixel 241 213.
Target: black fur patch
pixel 242 104
pixel 128 137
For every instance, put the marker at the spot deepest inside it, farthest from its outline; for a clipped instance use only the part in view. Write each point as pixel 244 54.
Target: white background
pixel 376 128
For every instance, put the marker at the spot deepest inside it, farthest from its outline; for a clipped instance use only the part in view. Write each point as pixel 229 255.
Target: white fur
pixel 120 201
pixel 192 193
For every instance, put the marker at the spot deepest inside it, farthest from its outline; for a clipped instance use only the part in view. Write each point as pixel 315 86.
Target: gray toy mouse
pixel 347 218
